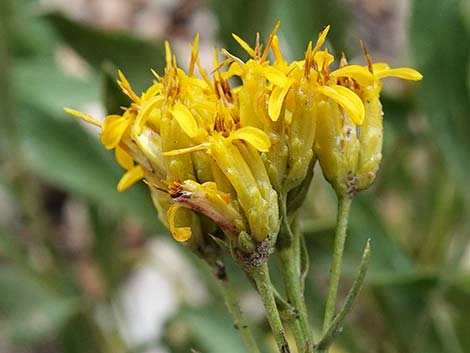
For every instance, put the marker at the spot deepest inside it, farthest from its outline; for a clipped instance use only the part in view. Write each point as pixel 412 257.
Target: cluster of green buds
pixel 228 164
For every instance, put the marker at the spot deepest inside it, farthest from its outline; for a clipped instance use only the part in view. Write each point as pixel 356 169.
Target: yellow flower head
pixel 350 155
pixel 219 159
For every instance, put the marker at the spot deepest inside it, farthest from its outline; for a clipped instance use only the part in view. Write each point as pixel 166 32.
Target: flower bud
pixel 337 146
pixel 370 140
pixel 301 135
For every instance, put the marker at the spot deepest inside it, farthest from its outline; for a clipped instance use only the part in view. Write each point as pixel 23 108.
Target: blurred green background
pixel 86 269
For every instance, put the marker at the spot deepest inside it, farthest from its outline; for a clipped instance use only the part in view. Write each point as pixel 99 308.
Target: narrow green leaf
pixel 336 325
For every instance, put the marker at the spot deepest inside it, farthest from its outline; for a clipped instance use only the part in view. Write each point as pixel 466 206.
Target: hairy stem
pixel 344 205
pixel 336 324
pixel 260 275
pixel 293 277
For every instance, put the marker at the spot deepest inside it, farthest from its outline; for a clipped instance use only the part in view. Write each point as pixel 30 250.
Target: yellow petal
pixel 185 119
pixel 254 136
pixel 323 58
pixel 180 234
pixel 244 45
pixel 275 76
pixel 113 128
pixel 143 115
pixel 152 91
pixel 234 70
pixel 402 72
pixel 276 100
pixel 130 177
pixel 359 73
pixel 123 158
pixel 377 67
pixel 83 116
pixel 347 99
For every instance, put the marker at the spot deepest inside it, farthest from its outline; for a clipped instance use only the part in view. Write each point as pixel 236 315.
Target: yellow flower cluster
pixel 221 160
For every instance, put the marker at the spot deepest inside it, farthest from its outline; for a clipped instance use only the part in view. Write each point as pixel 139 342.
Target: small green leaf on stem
pixel 335 326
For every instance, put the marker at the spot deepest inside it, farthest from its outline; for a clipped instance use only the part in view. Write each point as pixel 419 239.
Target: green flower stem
pixel 336 324
pixel 294 326
pixel 344 205
pixel 260 275
pixel 290 256
pixel 290 268
pixel 231 301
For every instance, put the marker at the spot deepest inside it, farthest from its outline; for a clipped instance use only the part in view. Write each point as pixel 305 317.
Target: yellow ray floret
pixel 347 99
pixel 180 234
pixel 124 159
pixel 402 72
pixel 130 177
pixel 255 137
pixel 114 127
pixel 185 119
pixel 83 116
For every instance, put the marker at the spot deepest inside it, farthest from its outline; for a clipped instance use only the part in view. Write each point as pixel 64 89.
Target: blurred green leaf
pixel 29 36
pixel 10 248
pixel 42 85
pixel 135 57
pixel 458 297
pixel 243 18
pixel 32 310
pixel 404 309
pixel 439 41
pixel 64 154
pixel 366 222
pixel 303 20
pixel 212 332
pixel 108 250
pixel 81 335
pixel 113 97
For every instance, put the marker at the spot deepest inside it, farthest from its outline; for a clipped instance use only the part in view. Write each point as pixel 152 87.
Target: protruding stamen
pixel 126 87
pixel 343 61
pixel 367 56
pixel 270 41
